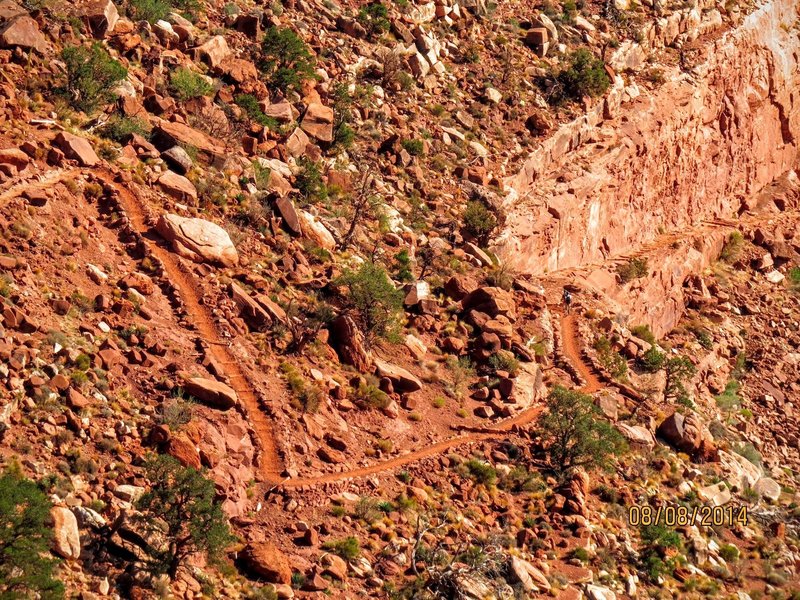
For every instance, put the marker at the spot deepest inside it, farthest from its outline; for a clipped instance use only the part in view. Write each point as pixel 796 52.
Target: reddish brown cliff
pixel 694 149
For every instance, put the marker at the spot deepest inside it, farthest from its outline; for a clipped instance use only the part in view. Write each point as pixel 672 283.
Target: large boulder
pixel 402 380
pixel 315 231
pixel 318 122
pixel 66 537
pixel 267 561
pixel 101 16
pixel 252 312
pixel 22 32
pixel 349 343
pixel 178 187
pixel 76 148
pixel 688 434
pixel 214 52
pixel 198 240
pixel 491 300
pixel 212 392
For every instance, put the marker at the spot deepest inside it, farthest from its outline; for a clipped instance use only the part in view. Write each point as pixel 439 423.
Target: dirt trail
pixel 572 351
pixel 198 314
pixel 270 464
pixel 34 182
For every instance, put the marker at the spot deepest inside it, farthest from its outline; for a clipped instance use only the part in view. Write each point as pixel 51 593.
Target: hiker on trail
pixel 567 300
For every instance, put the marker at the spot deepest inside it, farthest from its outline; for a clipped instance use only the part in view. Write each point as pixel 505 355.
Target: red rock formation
pixel 691 150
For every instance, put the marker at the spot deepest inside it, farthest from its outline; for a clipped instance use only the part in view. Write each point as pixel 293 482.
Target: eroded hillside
pixel 282 299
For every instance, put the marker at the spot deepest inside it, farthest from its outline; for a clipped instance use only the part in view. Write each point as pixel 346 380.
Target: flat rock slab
pixel 212 392
pixel 76 148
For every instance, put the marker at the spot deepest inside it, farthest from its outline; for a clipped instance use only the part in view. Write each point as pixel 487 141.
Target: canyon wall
pixel 694 149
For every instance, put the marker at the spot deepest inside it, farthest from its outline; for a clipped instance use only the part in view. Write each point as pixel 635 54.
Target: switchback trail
pixel 199 315
pixel 269 461
pixel 572 352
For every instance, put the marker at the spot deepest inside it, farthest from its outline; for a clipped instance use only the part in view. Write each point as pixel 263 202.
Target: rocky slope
pixel 280 298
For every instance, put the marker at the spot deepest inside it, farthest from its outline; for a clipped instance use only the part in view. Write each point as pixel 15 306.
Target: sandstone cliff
pixel 694 149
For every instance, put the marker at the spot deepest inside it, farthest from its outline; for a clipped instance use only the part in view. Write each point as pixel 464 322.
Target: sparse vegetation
pixel 348 548
pixel 479 221
pixel 92 76
pixel 732 248
pixel 585 76
pixel 635 268
pixel 186 84
pixel 181 506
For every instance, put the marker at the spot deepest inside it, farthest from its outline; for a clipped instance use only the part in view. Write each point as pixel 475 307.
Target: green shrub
pixel 119 128
pixel 186 84
pixel 729 553
pixel 635 268
pixel 369 393
pixel 249 104
pixel 652 360
pixel 575 434
pixel 481 472
pixel 374 18
pixel 729 399
pixel 306 396
pixel 309 181
pixel 732 248
pixel 26 571
pixel 180 507
pixel 348 548
pixel 413 147
pixel 749 451
pixel 794 278
pixel 92 76
pixel 504 361
pixel 479 220
pixel 402 265
pixel 679 370
pixel 149 10
pixel 586 76
pixel 643 333
pixel 156 10
pixel 286 60
pixel 612 361
pixel 374 301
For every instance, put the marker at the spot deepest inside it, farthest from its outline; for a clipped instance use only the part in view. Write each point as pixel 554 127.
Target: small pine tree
pixel 181 507
pixel 575 435
pixel 286 59
pixel 479 221
pixel 91 76
pixel 374 300
pixel 25 537
pixel 679 370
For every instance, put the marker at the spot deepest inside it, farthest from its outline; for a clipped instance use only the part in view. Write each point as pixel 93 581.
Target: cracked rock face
pixel 689 151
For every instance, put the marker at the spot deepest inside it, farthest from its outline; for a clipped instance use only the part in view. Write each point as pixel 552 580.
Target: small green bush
pixel 309 181
pixel 413 147
pixel 653 360
pixel 119 128
pixel 186 84
pixel 374 301
pixel 481 472
pixel 26 571
pixel 635 268
pixel 249 104
pixel 92 76
pixel 306 396
pixel 504 361
pixel 586 76
pixel 729 399
pixel 794 278
pixel 729 553
pixel 374 18
pixel 732 248
pixel 348 548
pixel 643 333
pixel 479 220
pixel 286 60
pixel 156 10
